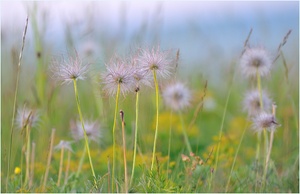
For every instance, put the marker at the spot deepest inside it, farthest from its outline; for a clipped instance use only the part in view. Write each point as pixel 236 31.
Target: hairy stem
pixel 135 134
pixel 60 165
pixel 124 151
pixel 169 146
pixel 84 131
pixel 157 114
pixel 49 160
pixel 114 139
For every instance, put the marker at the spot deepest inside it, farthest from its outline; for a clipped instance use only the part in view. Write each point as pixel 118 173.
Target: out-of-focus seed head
pixel 26 117
pixel 155 59
pixel 66 70
pixel 92 128
pixel 118 72
pixel 264 121
pixel 176 96
pixel 252 105
pixel 65 145
pixel 256 60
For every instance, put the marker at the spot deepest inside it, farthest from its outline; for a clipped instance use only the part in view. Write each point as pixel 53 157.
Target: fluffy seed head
pixel 67 70
pixel 92 128
pixel 264 121
pixel 64 144
pixel 252 102
pixel 118 72
pixel 156 59
pixel 255 59
pixel 26 117
pixel 176 96
pixel 141 78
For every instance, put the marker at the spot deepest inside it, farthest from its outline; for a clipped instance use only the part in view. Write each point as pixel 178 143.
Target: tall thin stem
pixel 124 151
pixel 27 176
pixel 67 168
pixel 135 133
pixel 186 139
pixel 84 131
pixel 169 146
pixel 15 102
pixel 60 165
pixel 49 160
pixel 32 165
pixel 114 139
pixel 234 160
pixel 157 114
pixel 269 153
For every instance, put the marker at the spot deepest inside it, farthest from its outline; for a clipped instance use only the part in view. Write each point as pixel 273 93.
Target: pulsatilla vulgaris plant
pixel 160 64
pixel 117 79
pixel 67 71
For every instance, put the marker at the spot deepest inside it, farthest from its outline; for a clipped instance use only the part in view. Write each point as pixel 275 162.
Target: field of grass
pixel 208 145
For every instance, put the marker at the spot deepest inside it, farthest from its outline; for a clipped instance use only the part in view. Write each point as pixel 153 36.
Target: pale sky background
pixel 202 30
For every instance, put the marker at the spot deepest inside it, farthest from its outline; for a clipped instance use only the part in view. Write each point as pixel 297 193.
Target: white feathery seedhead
pixel 256 59
pixel 118 72
pixel 156 59
pixel 67 70
pixel 176 96
pixel 264 121
pixel 26 117
pixel 92 128
pixel 64 144
pixel 251 102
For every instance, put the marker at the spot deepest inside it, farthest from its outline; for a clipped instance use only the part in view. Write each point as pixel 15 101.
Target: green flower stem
pixel 114 140
pixel 81 162
pixel 236 153
pixel 60 166
pixel 262 108
pixel 84 131
pixel 67 168
pixel 157 114
pixel 169 146
pixel 186 139
pixel 135 134
pixel 124 151
pixel 48 160
pixel 220 137
pixel 27 154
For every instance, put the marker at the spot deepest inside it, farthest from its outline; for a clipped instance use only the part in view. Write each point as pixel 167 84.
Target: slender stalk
pixel 169 146
pixel 234 160
pixel 81 162
pixel 124 151
pixel 27 176
pixel 157 114
pixel 186 139
pixel 49 160
pixel 220 137
pixel 114 139
pixel 84 131
pixel 135 133
pixel 67 168
pixel 262 108
pixel 15 102
pixel 268 154
pixel 32 165
pixel 60 166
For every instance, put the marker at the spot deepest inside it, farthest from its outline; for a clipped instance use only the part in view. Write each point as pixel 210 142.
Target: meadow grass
pixel 216 152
